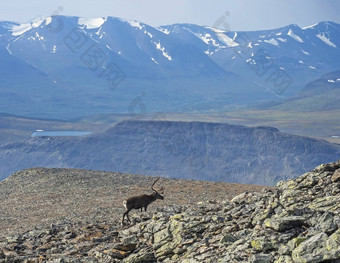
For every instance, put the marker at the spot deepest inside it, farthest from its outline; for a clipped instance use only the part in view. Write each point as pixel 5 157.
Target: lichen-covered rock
pixel 333 246
pixel 261 258
pixel 263 244
pixel 326 223
pixel 336 176
pixel 140 257
pixel 284 259
pixel 318 248
pixel 284 223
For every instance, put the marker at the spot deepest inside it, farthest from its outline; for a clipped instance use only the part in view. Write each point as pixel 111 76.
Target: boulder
pixel 284 223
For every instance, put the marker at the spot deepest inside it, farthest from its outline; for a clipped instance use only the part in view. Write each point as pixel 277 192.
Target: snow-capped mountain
pixel 301 53
pixel 79 66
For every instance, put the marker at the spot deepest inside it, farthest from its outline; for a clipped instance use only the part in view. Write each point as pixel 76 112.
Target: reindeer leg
pixel 123 218
pixel 127 216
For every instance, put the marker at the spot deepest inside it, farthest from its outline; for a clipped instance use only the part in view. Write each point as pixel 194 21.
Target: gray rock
pixel 263 244
pixel 140 257
pixel 326 224
pixel 284 223
pixel 336 176
pixel 284 259
pixel 312 250
pixel 261 258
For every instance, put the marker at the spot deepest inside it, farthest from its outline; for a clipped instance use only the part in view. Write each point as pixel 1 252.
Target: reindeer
pixel 141 201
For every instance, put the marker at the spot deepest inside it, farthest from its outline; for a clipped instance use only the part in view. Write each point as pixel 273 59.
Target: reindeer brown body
pixel 140 201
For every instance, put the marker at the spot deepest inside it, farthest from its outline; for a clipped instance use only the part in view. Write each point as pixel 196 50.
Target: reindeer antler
pixel 159 190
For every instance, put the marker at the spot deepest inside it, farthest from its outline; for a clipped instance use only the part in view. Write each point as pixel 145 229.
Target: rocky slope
pixel 299 221
pixel 83 195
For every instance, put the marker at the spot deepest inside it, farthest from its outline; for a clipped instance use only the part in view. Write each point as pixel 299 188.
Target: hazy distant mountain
pixel 103 65
pixel 319 95
pixel 194 150
pixel 20 81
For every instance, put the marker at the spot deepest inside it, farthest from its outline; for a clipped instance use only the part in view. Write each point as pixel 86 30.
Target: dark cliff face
pixel 194 150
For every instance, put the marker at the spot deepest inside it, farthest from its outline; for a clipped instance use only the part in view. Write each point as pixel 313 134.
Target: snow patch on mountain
pixel 305 52
pixel 91 23
pixel 272 41
pixel 18 30
pixel 208 52
pixel 154 60
pixel 282 39
pixel 38 36
pixel 164 53
pixel 8 49
pixel 326 40
pixel 99 32
pixel 37 22
pixel 134 23
pixel 48 20
pixel 235 35
pixel 295 37
pixel 222 36
pixel 216 30
pixel 163 30
pixel 148 33
pixel 311 26
pixel 207 39
pixel 333 80
pixel 227 40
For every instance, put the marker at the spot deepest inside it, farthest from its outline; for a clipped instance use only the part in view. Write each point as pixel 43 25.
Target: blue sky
pixel 236 14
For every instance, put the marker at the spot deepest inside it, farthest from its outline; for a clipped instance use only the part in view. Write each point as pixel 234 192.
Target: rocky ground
pixel 40 197
pixel 299 221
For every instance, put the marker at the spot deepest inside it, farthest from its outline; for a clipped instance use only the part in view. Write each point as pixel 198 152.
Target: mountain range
pixel 67 67
pixel 188 150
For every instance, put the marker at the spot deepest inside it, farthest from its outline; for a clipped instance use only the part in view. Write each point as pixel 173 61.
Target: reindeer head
pixel 157 194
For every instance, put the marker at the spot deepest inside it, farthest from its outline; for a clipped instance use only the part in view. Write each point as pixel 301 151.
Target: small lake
pixel 59 133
